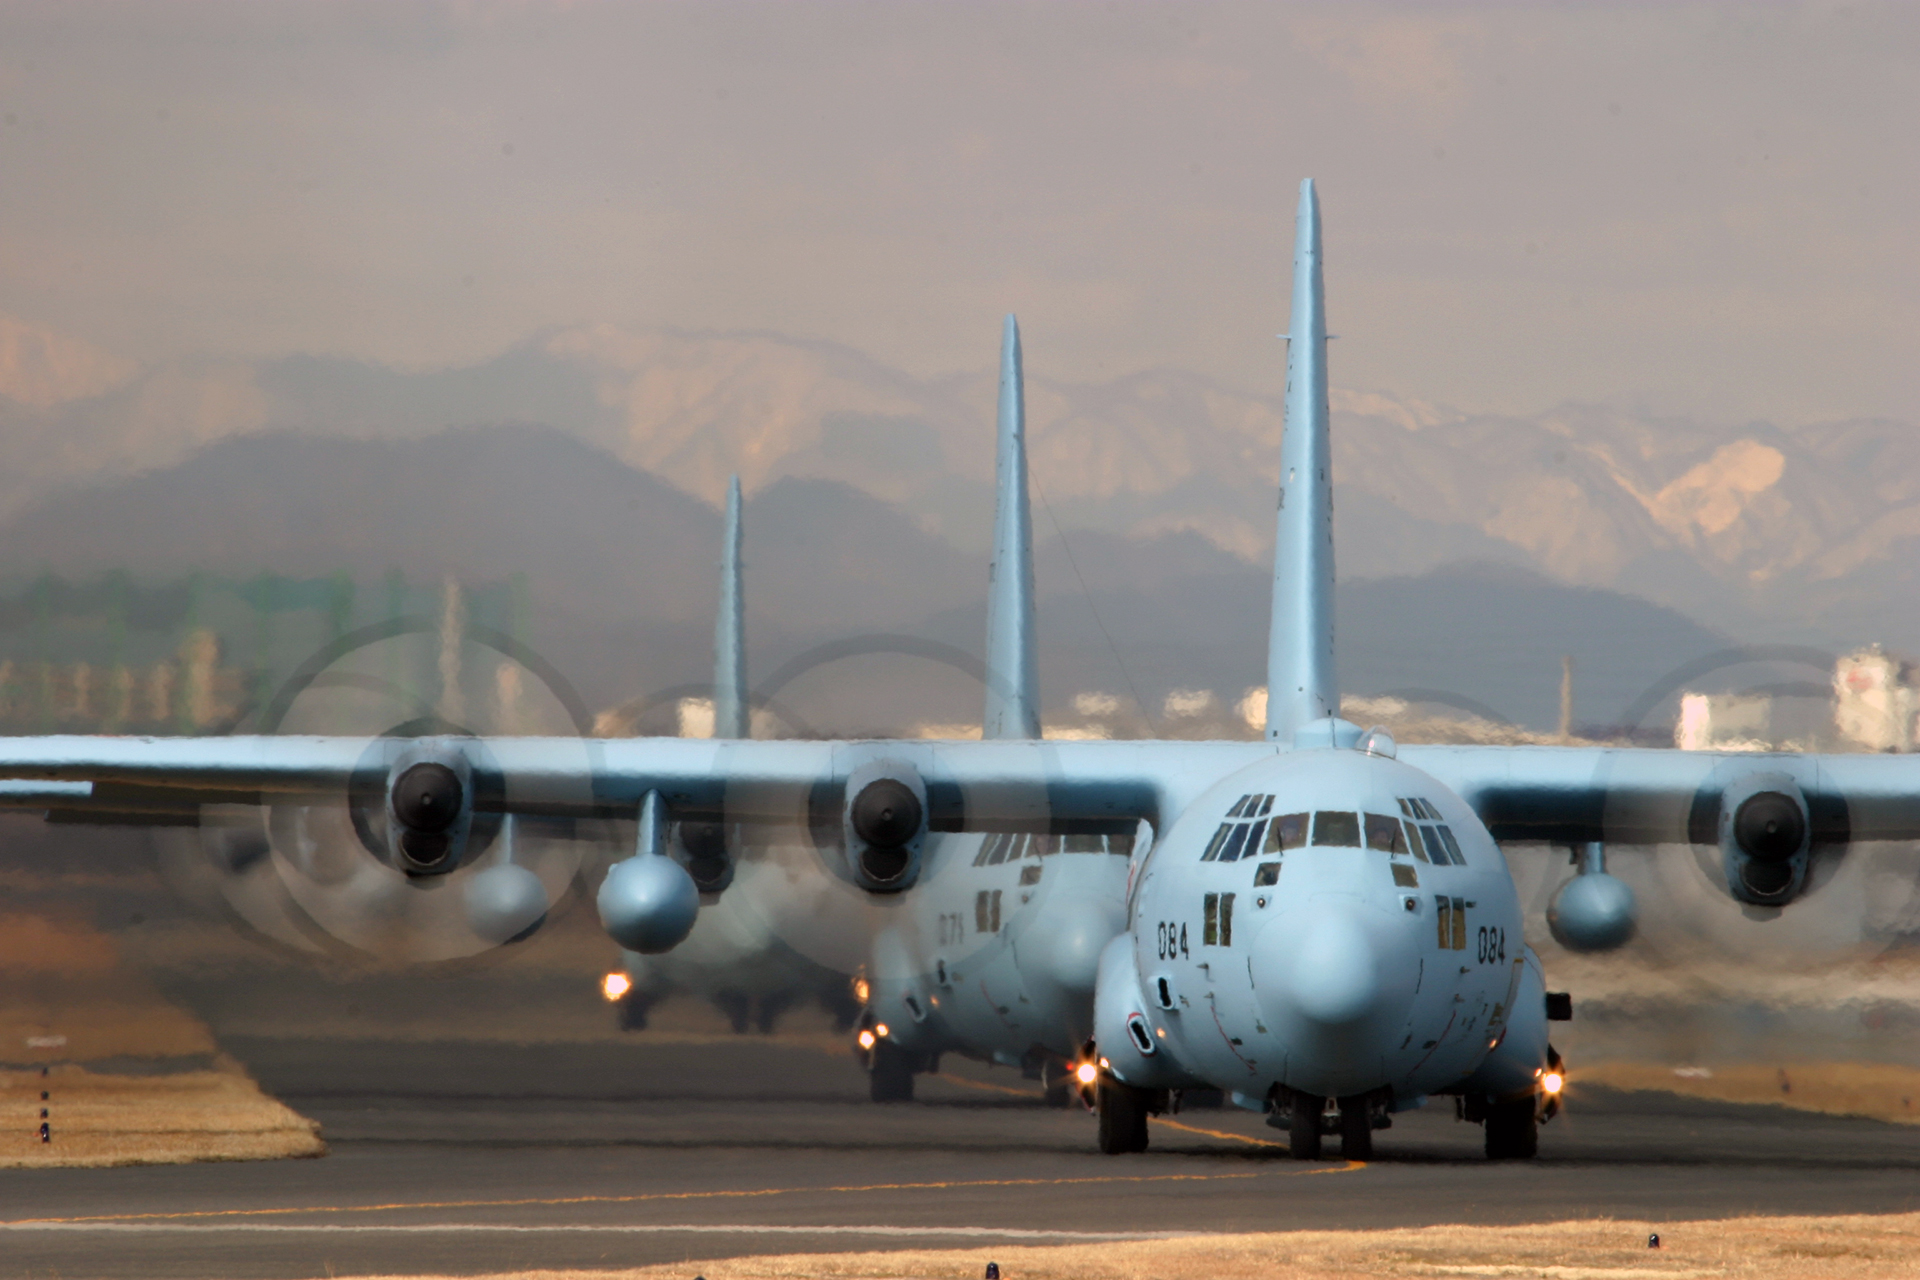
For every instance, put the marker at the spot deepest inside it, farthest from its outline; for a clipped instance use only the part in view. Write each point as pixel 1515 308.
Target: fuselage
pixel 995 952
pixel 1328 922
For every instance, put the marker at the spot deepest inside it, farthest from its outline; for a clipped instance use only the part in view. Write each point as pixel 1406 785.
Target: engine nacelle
pixel 884 823
pixel 709 856
pixel 429 809
pixel 1765 836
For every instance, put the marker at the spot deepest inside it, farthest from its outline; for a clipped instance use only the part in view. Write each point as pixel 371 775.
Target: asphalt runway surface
pixel 465 1158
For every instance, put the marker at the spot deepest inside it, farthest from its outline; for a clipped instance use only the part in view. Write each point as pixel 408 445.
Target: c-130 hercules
pixel 1324 926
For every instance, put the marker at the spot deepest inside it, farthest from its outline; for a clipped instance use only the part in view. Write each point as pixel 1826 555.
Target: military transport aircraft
pixel 1324 926
pixel 994 952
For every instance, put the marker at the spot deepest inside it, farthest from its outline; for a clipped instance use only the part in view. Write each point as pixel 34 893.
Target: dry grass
pixel 1742 1249
pixel 68 1000
pixel 1879 1090
pixel 164 1119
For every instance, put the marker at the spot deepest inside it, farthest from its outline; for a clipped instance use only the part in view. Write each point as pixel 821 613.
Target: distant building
pixel 1874 704
pixel 1874 700
pixel 1724 722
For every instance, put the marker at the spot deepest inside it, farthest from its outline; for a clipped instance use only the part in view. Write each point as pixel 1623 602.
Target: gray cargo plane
pixel 1324 926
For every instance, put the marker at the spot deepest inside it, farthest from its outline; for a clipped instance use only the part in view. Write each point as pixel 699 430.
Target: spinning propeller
pixel 416 861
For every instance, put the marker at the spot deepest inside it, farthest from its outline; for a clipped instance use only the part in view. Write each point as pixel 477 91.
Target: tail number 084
pixel 1492 945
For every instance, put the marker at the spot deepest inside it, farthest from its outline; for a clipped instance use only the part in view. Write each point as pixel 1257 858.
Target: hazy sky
pixel 1707 209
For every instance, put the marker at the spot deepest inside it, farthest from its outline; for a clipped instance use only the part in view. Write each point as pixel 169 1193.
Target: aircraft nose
pixel 1334 978
pixel 1333 981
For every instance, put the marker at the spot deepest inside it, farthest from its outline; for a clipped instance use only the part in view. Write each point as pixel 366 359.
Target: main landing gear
pixel 1513 1123
pixel 1123 1113
pixel 890 1067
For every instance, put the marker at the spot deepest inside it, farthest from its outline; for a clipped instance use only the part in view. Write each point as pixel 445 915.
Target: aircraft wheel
pixel 890 1076
pixel 1059 1082
pixel 1356 1129
pixel 1303 1128
pixel 1512 1131
pixel 632 1010
pixel 1123 1117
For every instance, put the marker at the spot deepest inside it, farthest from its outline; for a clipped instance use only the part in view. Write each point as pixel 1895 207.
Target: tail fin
pixel 1013 667
pixel 1301 685
pixel 730 633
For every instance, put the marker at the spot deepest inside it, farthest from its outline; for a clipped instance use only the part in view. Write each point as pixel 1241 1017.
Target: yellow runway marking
pixel 965 1083
pixel 1220 1133
pixel 645 1197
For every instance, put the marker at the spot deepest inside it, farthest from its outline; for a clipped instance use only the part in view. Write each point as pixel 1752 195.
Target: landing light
pixel 866 1039
pixel 1553 1081
pixel 861 990
pixel 1086 1073
pixel 615 985
pixel 880 1029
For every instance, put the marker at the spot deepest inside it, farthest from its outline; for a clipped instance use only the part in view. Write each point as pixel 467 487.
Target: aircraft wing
pixel 1651 795
pixel 1521 792
pixel 968 785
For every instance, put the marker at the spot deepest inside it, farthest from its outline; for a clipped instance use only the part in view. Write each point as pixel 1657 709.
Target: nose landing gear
pixel 1307 1118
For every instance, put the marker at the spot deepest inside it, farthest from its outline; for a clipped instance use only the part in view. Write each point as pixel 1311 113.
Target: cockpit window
pixel 1008 846
pixel 1288 831
pixel 1241 834
pixel 1415 843
pixel 1383 833
pixel 1441 847
pixel 1336 828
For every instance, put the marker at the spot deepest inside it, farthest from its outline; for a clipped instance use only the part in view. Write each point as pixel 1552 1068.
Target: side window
pixel 1254 833
pixel 1453 846
pixel 1239 809
pixel 1406 810
pixel 1383 833
pixel 1219 838
pixel 987 846
pixel 1404 875
pixel 1336 828
pixel 1288 831
pixel 1266 807
pixel 1121 845
pixel 986 911
pixel 1216 920
pixel 1266 873
pixel 1030 874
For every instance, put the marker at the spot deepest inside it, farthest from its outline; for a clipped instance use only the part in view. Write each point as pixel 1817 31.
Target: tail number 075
pixel 1173 940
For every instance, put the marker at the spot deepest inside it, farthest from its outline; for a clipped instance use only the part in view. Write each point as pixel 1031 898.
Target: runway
pixel 465 1158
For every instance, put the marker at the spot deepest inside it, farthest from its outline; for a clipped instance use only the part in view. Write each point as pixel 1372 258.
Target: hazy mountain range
pixel 588 459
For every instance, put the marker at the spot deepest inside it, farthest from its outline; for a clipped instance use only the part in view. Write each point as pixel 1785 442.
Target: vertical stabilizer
pixel 1013 665
pixel 1301 686
pixel 730 633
